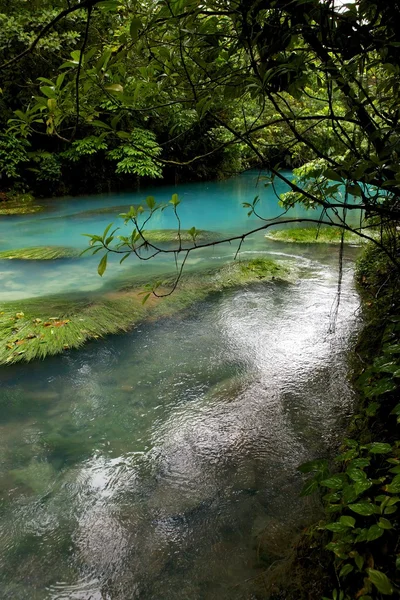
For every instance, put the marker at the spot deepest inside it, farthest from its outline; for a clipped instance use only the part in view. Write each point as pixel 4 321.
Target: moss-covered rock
pixel 19 204
pixel 313 235
pixel 172 235
pixel 35 328
pixel 39 253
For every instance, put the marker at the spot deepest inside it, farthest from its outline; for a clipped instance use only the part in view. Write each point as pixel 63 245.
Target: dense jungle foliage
pixel 102 94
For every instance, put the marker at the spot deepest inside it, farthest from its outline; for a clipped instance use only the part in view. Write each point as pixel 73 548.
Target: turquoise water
pixel 215 206
pixel 161 464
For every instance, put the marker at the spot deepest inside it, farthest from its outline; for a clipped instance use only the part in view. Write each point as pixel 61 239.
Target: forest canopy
pixel 183 90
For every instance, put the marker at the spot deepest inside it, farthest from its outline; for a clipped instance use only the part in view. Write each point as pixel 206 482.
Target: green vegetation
pixel 360 494
pixel 184 235
pixel 39 253
pixel 18 204
pixel 323 235
pixel 118 90
pixel 32 329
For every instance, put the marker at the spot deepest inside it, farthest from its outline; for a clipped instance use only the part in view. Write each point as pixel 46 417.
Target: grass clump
pixel 39 253
pixel 172 235
pixel 313 235
pixel 19 204
pixel 36 328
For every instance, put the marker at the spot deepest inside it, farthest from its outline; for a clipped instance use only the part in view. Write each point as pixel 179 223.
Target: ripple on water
pixel 165 451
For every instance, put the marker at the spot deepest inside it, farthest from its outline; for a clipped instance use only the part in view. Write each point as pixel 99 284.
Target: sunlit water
pixel 146 466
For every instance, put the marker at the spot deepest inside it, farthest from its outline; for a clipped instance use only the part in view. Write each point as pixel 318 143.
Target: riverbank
pixel 315 235
pixel 353 551
pixel 14 203
pixel 35 328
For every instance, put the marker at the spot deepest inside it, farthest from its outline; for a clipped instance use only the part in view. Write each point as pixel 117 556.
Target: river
pixel 155 465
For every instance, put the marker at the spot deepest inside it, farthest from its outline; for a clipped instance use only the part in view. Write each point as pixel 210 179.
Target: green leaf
pixel 124 257
pixel 146 297
pixel 381 582
pixel 379 448
pixel 151 202
pixel 347 521
pixel 392 349
pixel 394 486
pixel 385 523
pixel 175 200
pixel 100 124
pixel 52 104
pixel 374 532
pixel 383 386
pixel 114 87
pixel 371 409
pixel 48 91
pixel 102 265
pixel 345 570
pixel 334 175
pixel 336 527
pixel 359 560
pixel 365 509
pixel 135 25
pixel 362 486
pixel 335 482
pixel 356 474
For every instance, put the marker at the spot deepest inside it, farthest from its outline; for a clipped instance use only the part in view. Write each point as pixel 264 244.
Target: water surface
pixel 151 465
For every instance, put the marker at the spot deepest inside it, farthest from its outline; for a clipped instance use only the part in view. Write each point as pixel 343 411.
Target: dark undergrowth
pixel 354 551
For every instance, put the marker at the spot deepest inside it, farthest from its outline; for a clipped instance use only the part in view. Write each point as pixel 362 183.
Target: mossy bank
pixel 354 551
pixel 40 253
pixel 313 235
pixel 31 329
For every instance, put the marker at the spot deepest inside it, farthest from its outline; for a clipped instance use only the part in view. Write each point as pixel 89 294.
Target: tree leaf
pixel 365 509
pixel 114 87
pixel 335 482
pixel 374 532
pixel 348 521
pixel 381 582
pixel 379 448
pixel 135 25
pixel 345 570
pixel 102 265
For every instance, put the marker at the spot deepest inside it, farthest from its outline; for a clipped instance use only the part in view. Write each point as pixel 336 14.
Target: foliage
pixel 13 153
pixel 312 235
pixel 39 253
pixel 361 497
pixel 137 154
pixel 16 203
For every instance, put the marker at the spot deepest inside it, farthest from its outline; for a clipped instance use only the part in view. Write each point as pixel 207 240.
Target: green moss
pixel 31 329
pixel 39 253
pixel 20 204
pixel 312 235
pixel 171 235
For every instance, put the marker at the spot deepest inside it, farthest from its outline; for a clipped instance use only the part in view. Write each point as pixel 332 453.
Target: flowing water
pixel 151 465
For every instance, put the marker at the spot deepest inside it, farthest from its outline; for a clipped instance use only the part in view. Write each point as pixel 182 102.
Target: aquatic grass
pixel 40 253
pixel 173 235
pixel 312 235
pixel 20 204
pixel 36 328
